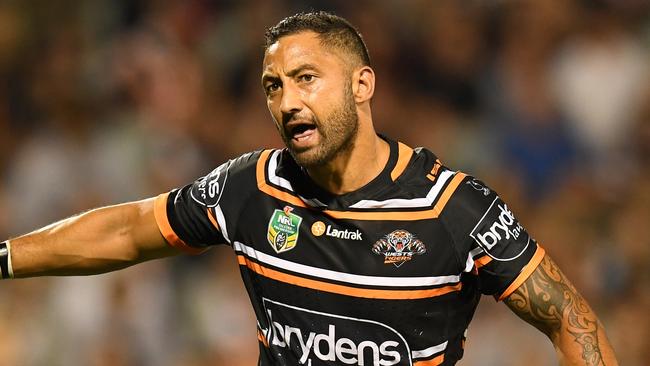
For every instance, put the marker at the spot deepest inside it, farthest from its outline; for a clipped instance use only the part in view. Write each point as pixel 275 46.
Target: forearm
pixel 97 241
pixel 548 301
pixel 584 342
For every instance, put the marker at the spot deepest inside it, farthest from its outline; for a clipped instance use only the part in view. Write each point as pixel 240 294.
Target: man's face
pixel 309 94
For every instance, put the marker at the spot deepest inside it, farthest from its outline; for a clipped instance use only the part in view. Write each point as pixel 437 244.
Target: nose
pixel 291 100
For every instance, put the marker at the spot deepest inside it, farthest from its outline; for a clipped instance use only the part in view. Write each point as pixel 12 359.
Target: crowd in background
pixel 101 102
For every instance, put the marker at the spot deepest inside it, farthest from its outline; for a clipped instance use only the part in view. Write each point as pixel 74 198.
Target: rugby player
pixel 355 249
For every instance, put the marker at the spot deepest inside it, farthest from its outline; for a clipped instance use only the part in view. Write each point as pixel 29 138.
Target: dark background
pixel 103 102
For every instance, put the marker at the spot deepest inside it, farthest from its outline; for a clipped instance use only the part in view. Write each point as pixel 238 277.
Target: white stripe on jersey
pixel 413 202
pixel 273 164
pixel 344 277
pixel 421 202
pixel 427 352
pixel 221 220
pixel 469 264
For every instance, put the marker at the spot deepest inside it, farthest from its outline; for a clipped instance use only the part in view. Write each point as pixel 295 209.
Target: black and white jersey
pixel 390 274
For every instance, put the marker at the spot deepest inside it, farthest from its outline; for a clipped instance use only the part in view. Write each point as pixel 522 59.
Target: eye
pixel 306 77
pixel 272 87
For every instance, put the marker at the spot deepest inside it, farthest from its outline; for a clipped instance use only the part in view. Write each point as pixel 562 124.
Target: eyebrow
pixel 301 68
pixel 268 77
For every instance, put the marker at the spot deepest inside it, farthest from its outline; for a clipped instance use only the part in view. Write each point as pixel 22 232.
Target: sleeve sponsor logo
pixel 498 228
pixel 398 247
pixel 305 337
pixel 207 190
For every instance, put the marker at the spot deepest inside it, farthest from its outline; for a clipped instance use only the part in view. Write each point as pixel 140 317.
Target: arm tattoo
pixel 548 301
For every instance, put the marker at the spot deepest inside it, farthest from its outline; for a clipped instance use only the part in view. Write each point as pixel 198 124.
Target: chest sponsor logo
pixel 319 228
pixel 283 230
pixel 300 336
pixel 398 247
pixel 499 228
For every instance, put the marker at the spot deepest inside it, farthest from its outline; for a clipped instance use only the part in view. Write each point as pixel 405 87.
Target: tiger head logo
pixel 398 247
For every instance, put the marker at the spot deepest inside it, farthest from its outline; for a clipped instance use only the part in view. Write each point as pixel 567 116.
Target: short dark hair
pixel 332 30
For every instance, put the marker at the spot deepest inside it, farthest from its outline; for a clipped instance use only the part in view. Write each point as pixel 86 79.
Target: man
pixel 355 249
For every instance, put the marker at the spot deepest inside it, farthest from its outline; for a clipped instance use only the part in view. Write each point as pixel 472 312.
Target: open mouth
pixel 301 130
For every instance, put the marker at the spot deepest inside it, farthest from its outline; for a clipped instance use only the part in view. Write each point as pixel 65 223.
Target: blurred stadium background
pixel 106 101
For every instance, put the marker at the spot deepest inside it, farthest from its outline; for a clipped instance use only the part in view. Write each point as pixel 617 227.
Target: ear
pixel 363 84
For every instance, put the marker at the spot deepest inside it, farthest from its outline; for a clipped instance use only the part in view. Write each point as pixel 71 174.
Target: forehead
pixel 298 49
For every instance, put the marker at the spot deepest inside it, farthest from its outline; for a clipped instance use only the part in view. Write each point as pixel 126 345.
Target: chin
pixel 309 158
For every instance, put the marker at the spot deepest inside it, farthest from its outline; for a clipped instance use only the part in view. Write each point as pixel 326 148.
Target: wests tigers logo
pixel 398 247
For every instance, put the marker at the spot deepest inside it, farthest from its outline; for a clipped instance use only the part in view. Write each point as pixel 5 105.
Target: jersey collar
pixel 316 196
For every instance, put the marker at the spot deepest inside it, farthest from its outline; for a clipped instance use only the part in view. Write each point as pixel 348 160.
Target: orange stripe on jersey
pixel 213 220
pixel 384 216
pixel 448 192
pixel 272 191
pixel 436 167
pixel 261 338
pixel 160 212
pixel 432 362
pixel 434 171
pixel 525 273
pixel 282 195
pixel 404 154
pixel 482 261
pixel 345 290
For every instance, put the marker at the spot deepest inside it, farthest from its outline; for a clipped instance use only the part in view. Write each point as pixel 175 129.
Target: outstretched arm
pixel 98 241
pixel 548 301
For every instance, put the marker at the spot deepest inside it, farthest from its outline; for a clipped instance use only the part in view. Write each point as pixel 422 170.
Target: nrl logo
pixel 283 229
pixel 398 247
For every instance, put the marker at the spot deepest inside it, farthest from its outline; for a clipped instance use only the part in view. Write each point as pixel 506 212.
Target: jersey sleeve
pixel 489 239
pixel 199 215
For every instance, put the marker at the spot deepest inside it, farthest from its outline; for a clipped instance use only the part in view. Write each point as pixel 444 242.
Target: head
pixel 316 76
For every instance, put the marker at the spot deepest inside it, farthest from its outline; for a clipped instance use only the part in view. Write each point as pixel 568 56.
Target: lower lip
pixel 304 139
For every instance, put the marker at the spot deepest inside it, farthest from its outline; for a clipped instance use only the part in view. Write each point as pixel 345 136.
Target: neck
pixel 356 166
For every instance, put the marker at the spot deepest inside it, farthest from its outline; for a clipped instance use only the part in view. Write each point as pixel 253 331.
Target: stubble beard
pixel 337 134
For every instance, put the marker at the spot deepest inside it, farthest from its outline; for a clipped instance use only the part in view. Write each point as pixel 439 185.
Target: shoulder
pixel 461 199
pixel 423 159
pixel 471 200
pixel 237 173
pixel 243 163
pixel 419 167
pixel 457 196
pixel 477 217
pixel 463 190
